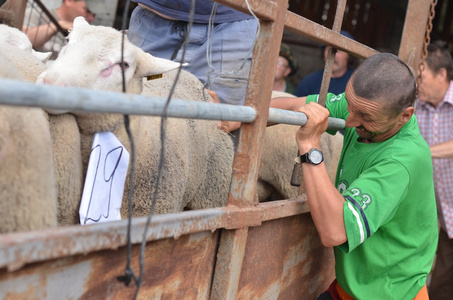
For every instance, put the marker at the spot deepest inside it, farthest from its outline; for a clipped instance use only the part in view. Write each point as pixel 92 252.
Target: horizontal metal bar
pixel 321 34
pixel 267 10
pixel 20 93
pixel 21 248
pixel 282 116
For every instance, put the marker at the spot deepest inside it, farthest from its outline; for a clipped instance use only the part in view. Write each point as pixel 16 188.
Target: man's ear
pixel 443 74
pixel 407 114
pixel 287 71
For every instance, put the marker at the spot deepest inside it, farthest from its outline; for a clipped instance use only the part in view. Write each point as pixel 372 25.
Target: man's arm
pixel 326 203
pixel 443 150
pixel 288 103
pixel 40 34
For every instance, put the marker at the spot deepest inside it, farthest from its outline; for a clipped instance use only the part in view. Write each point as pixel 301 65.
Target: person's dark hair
pixel 439 57
pixel 285 51
pixel 385 77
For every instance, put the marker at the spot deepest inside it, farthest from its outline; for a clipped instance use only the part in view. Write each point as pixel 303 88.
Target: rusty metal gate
pixel 246 250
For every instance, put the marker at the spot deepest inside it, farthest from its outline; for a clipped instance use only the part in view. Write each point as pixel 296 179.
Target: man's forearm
pixel 443 150
pixel 39 35
pixel 326 205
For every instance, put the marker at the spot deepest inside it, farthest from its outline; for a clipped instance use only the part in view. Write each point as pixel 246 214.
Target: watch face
pixel 315 156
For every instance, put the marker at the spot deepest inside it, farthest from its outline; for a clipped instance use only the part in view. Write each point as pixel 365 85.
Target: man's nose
pixel 352 121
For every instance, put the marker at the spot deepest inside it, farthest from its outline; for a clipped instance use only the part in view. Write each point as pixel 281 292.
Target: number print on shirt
pixel 363 198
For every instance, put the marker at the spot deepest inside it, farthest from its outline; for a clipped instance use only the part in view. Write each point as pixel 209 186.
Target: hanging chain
pixel 426 41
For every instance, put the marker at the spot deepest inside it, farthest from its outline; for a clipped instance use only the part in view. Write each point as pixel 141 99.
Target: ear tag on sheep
pixel 104 182
pixel 152 77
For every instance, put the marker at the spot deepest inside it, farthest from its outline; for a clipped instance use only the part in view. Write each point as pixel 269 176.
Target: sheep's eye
pixel 125 65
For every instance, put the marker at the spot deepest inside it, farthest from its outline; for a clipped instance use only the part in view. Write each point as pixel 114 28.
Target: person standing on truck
pixel 286 67
pixel 380 216
pixel 434 113
pixel 40 30
pixel 219 47
pixel 341 72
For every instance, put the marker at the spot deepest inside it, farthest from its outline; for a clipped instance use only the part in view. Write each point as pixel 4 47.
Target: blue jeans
pixel 230 46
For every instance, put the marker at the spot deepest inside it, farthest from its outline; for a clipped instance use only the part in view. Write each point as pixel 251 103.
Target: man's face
pixel 78 8
pixel 282 70
pixel 340 64
pixel 431 87
pixel 373 123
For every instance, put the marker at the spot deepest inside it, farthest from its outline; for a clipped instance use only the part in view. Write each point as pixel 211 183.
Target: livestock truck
pixel 245 250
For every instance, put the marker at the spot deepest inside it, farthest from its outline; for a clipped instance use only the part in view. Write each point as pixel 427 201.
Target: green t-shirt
pixel 389 212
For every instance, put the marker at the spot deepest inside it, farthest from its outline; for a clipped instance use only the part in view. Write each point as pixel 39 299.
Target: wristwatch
pixel 314 157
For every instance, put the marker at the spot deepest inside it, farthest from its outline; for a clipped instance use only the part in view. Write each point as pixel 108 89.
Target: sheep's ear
pixel 42 56
pixel 148 65
pixel 79 21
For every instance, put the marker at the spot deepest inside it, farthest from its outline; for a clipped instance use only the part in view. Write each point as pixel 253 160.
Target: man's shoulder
pixel 315 76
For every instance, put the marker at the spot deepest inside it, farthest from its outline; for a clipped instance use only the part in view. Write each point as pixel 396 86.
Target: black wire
pixel 129 272
pixel 162 151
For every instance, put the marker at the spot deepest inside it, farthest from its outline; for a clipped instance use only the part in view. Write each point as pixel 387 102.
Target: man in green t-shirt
pixel 381 215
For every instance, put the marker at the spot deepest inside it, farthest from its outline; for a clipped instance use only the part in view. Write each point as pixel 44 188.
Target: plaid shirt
pixel 436 126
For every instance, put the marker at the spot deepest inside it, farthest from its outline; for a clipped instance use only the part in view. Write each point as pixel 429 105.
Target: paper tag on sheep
pixel 104 183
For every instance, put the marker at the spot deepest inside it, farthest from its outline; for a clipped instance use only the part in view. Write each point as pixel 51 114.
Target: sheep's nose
pixel 47 79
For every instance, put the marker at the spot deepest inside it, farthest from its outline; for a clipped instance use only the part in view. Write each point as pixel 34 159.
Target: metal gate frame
pixel 246 250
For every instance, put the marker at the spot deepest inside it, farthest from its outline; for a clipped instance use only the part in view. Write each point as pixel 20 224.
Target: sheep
pixel 16 38
pixel 18 49
pixel 67 160
pixel 27 183
pixel 277 160
pixel 198 164
pixel 183 158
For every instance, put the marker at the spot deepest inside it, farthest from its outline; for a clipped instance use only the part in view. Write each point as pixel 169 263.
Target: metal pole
pixel 18 93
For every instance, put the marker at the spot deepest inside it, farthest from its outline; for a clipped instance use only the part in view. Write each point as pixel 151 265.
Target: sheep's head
pixel 92 59
pixel 14 37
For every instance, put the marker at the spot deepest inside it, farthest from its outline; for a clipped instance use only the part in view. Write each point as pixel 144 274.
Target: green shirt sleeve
pixel 336 104
pixel 372 200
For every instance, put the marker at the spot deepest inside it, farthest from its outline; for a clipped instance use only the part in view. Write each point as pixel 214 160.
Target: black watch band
pixel 314 157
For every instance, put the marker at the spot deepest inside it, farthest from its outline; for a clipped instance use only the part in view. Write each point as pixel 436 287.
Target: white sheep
pixel 277 160
pixel 183 157
pixel 27 183
pixel 198 165
pixel 12 36
pixel 17 48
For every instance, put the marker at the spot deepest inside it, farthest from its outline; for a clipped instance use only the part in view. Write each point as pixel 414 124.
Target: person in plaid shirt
pixel 434 112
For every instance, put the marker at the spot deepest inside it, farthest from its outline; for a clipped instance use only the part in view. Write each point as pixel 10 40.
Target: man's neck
pixel 339 73
pixel 279 85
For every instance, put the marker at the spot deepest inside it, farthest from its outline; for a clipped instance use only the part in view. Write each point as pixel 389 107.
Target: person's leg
pixel 153 34
pixel 325 296
pixel 441 286
pixel 217 60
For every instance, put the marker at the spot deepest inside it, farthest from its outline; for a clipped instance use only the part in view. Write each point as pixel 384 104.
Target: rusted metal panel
pixel 284 259
pixel 173 269
pixel 22 248
pixel 229 264
pixel 414 32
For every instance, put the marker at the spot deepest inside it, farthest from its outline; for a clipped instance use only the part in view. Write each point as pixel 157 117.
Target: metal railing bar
pixel 324 35
pixel 18 93
pixel 21 248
